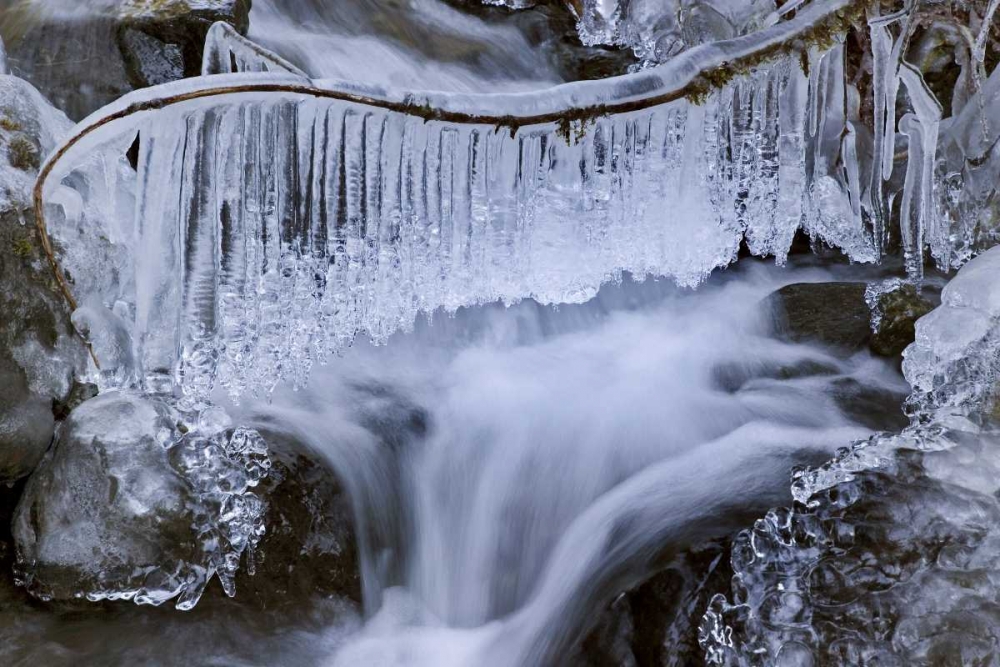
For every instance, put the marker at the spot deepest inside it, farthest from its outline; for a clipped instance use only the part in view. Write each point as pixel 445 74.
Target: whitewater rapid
pixel 564 452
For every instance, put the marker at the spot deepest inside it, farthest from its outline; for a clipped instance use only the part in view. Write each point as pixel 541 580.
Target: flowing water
pixel 552 455
pixel 560 451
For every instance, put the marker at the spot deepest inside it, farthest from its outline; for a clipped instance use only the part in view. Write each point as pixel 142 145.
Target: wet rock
pixel 874 407
pixel 656 623
pixel 897 313
pixel 39 352
pixel 163 40
pixel 105 511
pixel 834 314
pixel 309 547
pixel 86 58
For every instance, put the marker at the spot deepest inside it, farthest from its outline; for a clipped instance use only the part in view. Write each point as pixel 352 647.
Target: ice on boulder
pixel 128 505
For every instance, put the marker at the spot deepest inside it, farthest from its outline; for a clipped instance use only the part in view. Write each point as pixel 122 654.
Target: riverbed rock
pixel 309 547
pixel 163 40
pixel 834 314
pixel 39 353
pixel 898 311
pixel 656 623
pixel 89 55
pixel 106 512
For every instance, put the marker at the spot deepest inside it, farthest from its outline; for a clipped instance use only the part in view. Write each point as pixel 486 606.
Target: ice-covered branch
pixel 264 219
pixel 229 52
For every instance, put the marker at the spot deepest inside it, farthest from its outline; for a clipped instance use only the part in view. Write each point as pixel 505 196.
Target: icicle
pixel 4 69
pixel 919 209
pixel 881 41
pixel 984 31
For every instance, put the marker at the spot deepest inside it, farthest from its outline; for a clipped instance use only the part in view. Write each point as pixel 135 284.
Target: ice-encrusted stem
pixel 918 212
pixel 229 52
pixel 689 74
pixel 4 69
pixel 984 31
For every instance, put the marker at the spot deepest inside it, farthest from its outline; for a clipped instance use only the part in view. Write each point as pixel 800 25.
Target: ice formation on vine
pixel 257 232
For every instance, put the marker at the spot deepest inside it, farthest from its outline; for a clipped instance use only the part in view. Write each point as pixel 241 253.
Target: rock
pixel 39 352
pixel 26 424
pixel 897 312
pixel 131 504
pixel 163 40
pixel 309 546
pixel 656 623
pixel 833 314
pixel 86 58
pixel 105 512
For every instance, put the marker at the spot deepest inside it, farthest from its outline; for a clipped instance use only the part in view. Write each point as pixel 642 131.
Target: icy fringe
pixel 891 553
pixel 256 233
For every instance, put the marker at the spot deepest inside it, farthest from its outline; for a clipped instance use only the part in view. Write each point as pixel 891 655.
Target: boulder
pixel 85 58
pixel 657 622
pixel 163 40
pixel 39 352
pixel 106 512
pixel 834 314
pixel 132 504
pixel 309 546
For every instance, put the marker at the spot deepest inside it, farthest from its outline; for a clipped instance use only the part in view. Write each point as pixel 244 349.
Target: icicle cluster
pixel 268 231
pixel 256 233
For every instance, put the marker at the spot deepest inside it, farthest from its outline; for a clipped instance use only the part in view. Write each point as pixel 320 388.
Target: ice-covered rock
pixel 106 512
pixel 39 353
pixel 84 55
pixel 132 504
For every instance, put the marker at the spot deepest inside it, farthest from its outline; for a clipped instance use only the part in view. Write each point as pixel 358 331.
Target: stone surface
pixel 899 310
pixel 834 314
pixel 656 623
pixel 39 352
pixel 163 40
pixel 309 547
pixel 105 510
pixel 91 56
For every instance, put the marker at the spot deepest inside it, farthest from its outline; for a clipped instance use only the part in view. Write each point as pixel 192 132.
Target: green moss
pixel 23 248
pixel 23 154
pixel 10 124
pixel 823 36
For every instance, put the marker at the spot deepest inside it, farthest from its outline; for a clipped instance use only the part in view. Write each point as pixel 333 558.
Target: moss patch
pixel 23 154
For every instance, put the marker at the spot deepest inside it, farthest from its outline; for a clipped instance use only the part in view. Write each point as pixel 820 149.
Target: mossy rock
pixel 900 309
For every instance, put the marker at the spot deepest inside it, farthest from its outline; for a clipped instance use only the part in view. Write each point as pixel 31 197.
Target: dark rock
pixel 80 393
pixel 39 352
pixel 656 623
pixel 309 547
pixel 105 511
pixel 26 423
pixel 899 310
pixel 873 407
pixel 834 314
pixel 163 40
pixel 91 58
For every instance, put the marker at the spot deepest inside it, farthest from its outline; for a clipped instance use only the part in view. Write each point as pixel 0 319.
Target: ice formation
pixel 889 556
pixel 259 221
